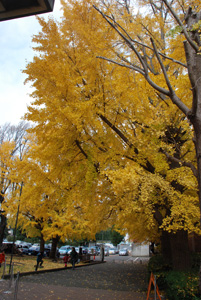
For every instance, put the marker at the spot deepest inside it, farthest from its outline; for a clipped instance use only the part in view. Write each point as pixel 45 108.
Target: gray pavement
pixel 109 281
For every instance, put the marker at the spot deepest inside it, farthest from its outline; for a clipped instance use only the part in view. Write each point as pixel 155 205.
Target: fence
pixel 11 286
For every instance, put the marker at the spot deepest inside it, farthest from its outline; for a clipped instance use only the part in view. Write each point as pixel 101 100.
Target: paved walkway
pixel 108 281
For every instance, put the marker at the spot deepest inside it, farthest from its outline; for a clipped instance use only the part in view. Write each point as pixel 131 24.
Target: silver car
pixel 123 252
pixel 106 251
pixel 63 250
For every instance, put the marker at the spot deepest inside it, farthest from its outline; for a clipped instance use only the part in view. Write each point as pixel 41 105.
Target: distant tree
pixel 116 237
pixel 110 235
pixel 12 146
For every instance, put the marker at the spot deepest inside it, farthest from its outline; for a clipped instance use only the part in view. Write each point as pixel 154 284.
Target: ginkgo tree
pixel 166 47
pixel 112 149
pixel 48 207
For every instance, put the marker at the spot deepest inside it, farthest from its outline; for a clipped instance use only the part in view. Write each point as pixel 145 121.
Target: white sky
pixel 15 51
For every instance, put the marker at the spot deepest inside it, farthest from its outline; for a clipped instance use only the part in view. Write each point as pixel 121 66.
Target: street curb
pixel 53 270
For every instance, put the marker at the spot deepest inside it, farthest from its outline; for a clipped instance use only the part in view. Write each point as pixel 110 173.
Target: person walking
pixel 66 259
pixel 39 260
pixel 74 257
pixel 2 258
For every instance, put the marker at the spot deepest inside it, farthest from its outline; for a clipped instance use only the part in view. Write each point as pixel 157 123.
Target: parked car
pixel 77 249
pixel 23 244
pixel 123 252
pixel 34 250
pixel 47 249
pixel 8 246
pixel 106 251
pixel 93 250
pixel 64 249
pixel 27 244
pixel 84 250
pixel 24 250
pixel 18 242
pixel 112 251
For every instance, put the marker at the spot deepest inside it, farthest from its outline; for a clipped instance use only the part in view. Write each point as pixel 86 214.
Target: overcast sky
pixel 15 51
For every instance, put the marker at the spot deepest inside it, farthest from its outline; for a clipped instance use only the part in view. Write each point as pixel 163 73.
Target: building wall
pixel 140 249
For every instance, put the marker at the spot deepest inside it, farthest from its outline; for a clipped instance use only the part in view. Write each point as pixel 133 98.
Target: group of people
pixel 72 258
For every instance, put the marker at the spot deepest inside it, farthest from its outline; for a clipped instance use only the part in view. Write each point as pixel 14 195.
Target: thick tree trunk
pixel 193 59
pixel 197 121
pixel 180 251
pixel 53 251
pixel 175 250
pixel 166 247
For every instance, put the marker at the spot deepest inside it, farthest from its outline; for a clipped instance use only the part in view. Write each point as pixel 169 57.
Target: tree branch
pixel 132 67
pixel 172 93
pixel 183 163
pixel 194 46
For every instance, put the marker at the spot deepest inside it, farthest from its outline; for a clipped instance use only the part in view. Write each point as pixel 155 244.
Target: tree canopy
pixel 109 146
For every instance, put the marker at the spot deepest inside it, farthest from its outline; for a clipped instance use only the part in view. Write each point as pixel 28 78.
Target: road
pixel 119 258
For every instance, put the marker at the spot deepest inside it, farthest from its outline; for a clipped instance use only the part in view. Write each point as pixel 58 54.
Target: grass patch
pixel 27 263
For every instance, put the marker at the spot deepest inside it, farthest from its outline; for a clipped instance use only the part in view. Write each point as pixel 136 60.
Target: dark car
pixel 23 244
pixel 8 246
pixel 84 250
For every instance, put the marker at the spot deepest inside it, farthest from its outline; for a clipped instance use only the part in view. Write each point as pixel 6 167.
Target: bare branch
pixel 132 67
pixel 146 46
pixel 162 67
pixel 194 46
pixel 172 94
pixel 129 42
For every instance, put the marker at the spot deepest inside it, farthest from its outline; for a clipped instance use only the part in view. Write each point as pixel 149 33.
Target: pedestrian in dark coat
pixel 74 257
pixel 39 260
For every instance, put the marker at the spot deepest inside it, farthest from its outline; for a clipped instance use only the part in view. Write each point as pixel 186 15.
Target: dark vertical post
pixel 15 229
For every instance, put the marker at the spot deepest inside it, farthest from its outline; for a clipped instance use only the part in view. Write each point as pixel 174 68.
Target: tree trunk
pixel 3 221
pixel 193 59
pixel 2 228
pixel 42 244
pixel 197 122
pixel 166 247
pixel 180 251
pixel 175 250
pixel 53 251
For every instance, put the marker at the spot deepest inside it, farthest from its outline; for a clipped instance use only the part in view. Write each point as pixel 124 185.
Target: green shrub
pixel 157 264
pixel 196 260
pixel 177 285
pixel 159 267
pixel 181 286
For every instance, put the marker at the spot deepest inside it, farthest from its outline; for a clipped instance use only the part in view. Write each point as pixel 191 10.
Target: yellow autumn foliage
pixel 103 138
